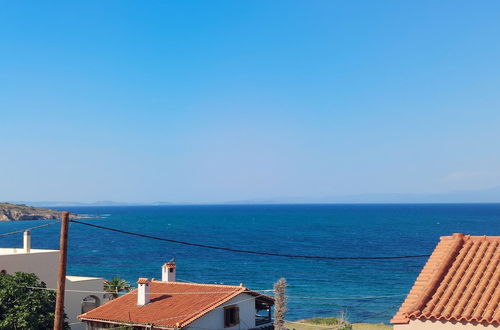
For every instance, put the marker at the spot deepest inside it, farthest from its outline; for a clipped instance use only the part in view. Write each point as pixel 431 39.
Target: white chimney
pixel 143 291
pixel 27 241
pixel 168 271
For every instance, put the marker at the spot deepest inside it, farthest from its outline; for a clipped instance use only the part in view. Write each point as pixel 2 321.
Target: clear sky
pixel 212 101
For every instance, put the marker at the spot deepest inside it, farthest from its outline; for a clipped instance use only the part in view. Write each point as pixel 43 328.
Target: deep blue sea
pixel 316 287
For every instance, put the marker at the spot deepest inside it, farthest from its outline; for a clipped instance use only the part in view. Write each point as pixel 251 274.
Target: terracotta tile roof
pixel 172 304
pixel 459 282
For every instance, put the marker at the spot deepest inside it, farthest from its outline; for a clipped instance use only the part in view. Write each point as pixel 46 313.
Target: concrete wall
pixel 440 325
pixel 43 263
pixel 73 300
pixel 215 319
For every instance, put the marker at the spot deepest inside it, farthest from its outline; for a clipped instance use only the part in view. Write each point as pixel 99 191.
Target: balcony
pixel 261 319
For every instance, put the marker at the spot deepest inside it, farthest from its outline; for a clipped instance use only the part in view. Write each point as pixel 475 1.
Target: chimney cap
pixel 170 264
pixel 143 280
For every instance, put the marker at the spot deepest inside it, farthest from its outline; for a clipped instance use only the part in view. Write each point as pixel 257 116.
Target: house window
pixel 231 316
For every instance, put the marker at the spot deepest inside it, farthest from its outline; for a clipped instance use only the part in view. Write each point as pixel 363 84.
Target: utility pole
pixel 61 275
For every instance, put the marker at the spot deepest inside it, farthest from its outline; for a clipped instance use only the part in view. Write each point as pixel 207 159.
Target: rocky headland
pixel 20 212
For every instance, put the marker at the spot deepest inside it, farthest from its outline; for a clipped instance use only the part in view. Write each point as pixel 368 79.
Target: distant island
pixel 20 212
pixel 487 195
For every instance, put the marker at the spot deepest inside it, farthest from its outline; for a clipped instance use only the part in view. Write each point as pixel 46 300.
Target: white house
pixel 44 264
pixel 168 304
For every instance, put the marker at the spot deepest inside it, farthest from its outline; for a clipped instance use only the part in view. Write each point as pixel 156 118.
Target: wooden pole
pixel 61 275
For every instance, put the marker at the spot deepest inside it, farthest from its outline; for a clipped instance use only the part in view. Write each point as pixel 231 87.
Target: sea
pixel 364 290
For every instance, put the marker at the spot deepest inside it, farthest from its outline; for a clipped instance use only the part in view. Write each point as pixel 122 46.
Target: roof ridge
pixel 440 273
pixel 459 282
pixel 429 278
pixel 481 237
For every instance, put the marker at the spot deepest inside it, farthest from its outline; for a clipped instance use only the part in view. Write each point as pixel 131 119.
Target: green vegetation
pixel 325 320
pixel 25 308
pixel 18 212
pixel 24 207
pixel 371 326
pixel 337 323
pixel 116 285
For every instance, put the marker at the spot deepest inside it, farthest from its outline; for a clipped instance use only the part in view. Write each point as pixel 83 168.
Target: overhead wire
pixel 30 228
pixel 347 298
pixel 231 250
pixel 229 292
pixel 223 292
pixel 377 314
pixel 166 293
pixel 272 254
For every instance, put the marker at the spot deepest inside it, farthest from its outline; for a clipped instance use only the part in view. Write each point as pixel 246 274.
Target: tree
pixel 22 307
pixel 280 304
pixel 116 285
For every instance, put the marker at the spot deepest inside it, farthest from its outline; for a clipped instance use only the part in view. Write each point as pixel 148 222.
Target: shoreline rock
pixel 21 212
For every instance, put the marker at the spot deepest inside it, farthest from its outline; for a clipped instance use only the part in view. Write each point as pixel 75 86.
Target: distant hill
pixel 19 212
pixel 60 204
pixel 491 195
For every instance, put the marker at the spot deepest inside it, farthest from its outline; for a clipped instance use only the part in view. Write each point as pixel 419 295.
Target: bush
pixel 24 308
pixel 339 323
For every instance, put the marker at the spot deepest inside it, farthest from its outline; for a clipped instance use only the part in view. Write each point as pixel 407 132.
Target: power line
pixel 348 298
pixel 74 323
pixel 222 292
pixel 377 314
pixel 30 228
pixel 130 292
pixel 189 314
pixel 247 251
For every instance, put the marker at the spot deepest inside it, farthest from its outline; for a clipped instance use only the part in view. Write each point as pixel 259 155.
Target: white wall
pixel 44 264
pixel 440 325
pixel 215 319
pixel 73 300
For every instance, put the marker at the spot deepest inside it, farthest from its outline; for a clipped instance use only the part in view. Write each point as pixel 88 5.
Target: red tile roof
pixel 172 304
pixel 459 282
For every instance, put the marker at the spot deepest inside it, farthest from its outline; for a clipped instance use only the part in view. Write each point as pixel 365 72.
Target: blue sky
pixel 212 101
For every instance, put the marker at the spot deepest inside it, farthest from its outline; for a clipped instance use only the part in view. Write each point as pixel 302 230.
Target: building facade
pixel 168 304
pixel 82 293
